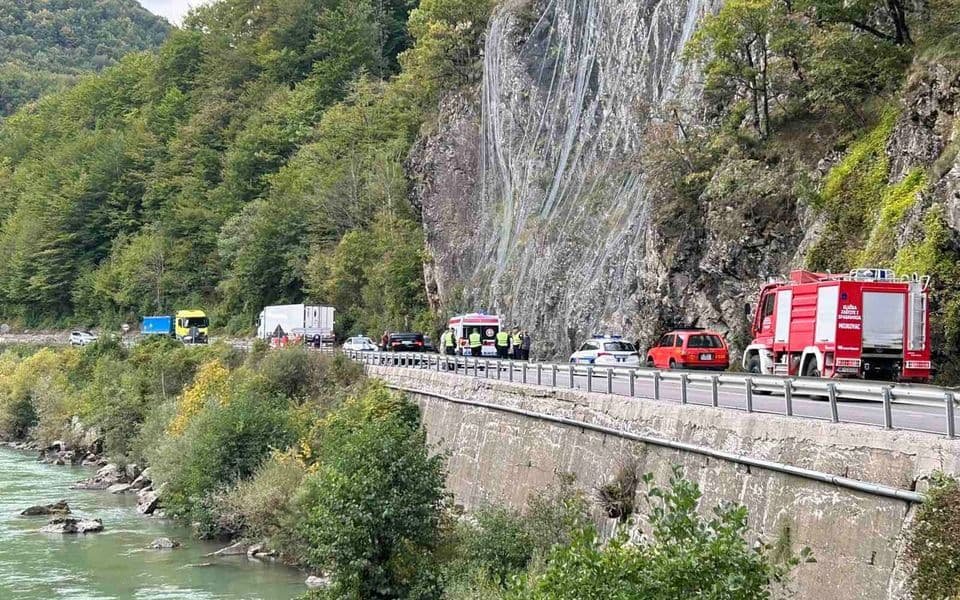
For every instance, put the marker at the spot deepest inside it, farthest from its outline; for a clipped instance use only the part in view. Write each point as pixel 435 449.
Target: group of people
pixel 513 344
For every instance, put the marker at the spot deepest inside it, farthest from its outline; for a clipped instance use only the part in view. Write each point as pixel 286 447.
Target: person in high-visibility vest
pixel 449 342
pixel 516 343
pixel 503 343
pixel 476 343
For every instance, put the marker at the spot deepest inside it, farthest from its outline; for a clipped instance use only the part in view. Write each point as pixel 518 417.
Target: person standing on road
pixel 516 344
pixel 476 343
pixel 503 344
pixel 448 342
pixel 385 340
pixel 448 345
pixel 525 346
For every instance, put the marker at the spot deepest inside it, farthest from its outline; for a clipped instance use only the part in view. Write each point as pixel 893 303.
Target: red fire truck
pixel 868 324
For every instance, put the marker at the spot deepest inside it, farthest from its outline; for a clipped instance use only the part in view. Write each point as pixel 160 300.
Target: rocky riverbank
pixel 121 562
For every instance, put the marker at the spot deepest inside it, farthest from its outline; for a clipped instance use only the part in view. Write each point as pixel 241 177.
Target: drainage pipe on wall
pixel 873 489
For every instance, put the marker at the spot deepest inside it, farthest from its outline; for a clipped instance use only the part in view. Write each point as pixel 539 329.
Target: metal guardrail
pixel 602 379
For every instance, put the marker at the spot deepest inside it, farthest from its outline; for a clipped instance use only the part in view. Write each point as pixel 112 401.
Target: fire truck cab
pixel 866 324
pixel 487 325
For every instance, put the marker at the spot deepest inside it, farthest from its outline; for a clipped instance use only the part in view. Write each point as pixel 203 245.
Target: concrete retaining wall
pixel 856 537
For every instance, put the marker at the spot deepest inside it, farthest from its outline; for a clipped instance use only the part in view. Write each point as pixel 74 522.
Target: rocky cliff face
pixel 536 206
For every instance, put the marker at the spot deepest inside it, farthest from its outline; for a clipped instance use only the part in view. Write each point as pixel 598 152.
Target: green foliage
pixel 735 45
pixel 940 32
pixel 846 68
pixel 224 170
pixel 46 44
pixel 496 545
pixel 896 201
pixel 301 374
pixel 937 254
pixel 222 444
pixel 448 50
pixel 850 198
pixel 885 20
pixel 376 275
pixel 497 542
pixel 933 542
pixel 686 556
pixel 370 514
pixel 261 507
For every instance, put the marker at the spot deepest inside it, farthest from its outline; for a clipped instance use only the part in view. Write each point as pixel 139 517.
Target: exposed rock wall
pixel 535 205
pixel 856 538
pixel 530 203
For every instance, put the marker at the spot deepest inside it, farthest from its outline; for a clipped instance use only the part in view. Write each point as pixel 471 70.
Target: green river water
pixel 114 564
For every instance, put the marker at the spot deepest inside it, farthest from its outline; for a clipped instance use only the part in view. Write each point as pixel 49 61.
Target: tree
pixel 371 512
pixel 46 47
pixel 862 15
pixel 735 45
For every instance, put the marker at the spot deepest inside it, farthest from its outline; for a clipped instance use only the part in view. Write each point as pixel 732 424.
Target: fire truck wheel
pixel 673 364
pixel 812 370
pixel 753 366
pixel 651 364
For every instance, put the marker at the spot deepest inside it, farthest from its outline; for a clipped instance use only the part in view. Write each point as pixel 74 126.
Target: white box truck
pixel 311 323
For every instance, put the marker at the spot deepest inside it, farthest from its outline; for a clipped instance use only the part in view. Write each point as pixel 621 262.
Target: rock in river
pixel 317 582
pixel 119 488
pixel 147 502
pixel 164 544
pixel 57 508
pixel 73 525
pixel 237 549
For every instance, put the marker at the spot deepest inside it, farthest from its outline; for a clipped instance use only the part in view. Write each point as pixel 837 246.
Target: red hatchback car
pixel 690 349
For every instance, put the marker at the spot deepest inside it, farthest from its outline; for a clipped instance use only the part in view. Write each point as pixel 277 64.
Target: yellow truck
pixel 192 326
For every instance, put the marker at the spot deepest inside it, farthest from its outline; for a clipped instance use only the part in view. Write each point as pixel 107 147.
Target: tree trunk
pixel 764 87
pixel 899 17
pixel 754 93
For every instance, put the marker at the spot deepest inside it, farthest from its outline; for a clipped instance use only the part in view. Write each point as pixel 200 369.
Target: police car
pixel 606 350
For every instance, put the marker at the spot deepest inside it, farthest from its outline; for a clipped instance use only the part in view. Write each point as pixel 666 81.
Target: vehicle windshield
pixel 703 340
pixel 199 322
pixel 618 347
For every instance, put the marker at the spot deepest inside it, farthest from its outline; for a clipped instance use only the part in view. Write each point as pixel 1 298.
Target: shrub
pixel 618 496
pixel 556 512
pixel 210 385
pixel 851 191
pixel 370 514
pixel 497 542
pixel 687 556
pixel 225 441
pixel 933 544
pixel 257 508
pixel 36 398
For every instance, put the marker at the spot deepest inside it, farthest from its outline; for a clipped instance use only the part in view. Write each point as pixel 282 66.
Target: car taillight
pixel 418 343
pixel 599 354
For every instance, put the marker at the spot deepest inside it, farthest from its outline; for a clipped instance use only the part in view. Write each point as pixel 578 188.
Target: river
pixel 114 564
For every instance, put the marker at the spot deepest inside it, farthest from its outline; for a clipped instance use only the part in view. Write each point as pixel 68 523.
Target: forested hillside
pixel 256 158
pixel 46 44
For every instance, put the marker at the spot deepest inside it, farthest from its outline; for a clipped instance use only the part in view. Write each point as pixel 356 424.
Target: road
pixel 921 416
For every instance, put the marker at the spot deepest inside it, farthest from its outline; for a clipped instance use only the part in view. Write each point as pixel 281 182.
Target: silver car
pixel 81 338
pixel 359 344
